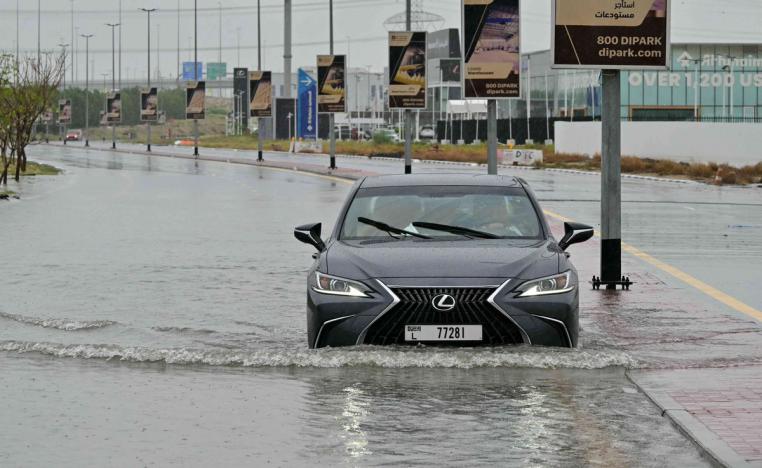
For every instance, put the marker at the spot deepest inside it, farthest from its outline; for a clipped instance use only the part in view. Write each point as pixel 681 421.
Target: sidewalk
pixel 700 362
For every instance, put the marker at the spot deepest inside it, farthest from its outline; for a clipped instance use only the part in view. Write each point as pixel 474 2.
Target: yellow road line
pixel 710 291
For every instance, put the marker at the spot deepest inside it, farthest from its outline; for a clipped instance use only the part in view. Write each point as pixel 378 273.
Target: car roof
pixel 409 180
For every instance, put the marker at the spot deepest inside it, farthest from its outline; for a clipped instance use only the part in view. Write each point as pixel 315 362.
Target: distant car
pixel 351 134
pixel 73 135
pixel 427 133
pixel 389 133
pixel 455 259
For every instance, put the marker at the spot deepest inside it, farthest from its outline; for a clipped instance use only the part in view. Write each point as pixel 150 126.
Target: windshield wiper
pixel 455 230
pixel 390 229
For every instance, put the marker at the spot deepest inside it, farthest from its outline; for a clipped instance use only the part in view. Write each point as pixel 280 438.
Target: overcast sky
pixel 359 26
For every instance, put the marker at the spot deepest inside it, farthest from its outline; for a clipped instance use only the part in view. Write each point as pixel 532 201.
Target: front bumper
pixel 345 321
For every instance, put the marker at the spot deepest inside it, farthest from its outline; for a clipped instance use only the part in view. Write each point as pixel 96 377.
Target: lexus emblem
pixel 443 302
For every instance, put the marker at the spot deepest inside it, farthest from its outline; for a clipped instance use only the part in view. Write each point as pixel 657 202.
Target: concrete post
pixel 611 188
pixel 492 136
pixel 331 119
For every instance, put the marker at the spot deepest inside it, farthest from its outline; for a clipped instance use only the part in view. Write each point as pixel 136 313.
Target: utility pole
pixel 17 40
pixel 178 41
pixel 195 70
pixel 408 112
pixel 63 76
pixel 287 48
pixel 148 12
pixel 331 116
pixel 120 45
pixel 260 136
pixel 87 86
pixel 611 180
pixel 73 46
pixel 219 47
pixel 39 24
pixel 113 27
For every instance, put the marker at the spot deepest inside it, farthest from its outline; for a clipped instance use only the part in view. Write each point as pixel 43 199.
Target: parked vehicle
pixel 427 133
pixel 442 260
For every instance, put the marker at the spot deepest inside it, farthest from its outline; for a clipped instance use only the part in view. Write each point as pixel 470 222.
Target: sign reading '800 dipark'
pixel 611 34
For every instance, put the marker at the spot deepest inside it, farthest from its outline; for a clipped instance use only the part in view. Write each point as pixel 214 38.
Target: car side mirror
pixel 310 234
pixel 574 234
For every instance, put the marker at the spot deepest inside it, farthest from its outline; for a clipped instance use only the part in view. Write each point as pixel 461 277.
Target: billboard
pixel 611 34
pixel 450 70
pixel 492 49
pixel 261 93
pixel 47 116
pixel 149 105
pixel 407 70
pixel 114 108
pixel 216 71
pixel 241 88
pixel 332 93
pixel 64 111
pixel 443 44
pixel 195 96
pixel 307 124
pixel 188 74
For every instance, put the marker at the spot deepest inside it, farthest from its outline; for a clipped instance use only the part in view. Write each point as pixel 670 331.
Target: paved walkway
pixel 710 380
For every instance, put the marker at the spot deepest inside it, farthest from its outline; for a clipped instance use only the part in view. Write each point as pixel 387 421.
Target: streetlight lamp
pixel 87 86
pixel 148 12
pixel 260 143
pixel 63 83
pixel 113 77
pixel 195 71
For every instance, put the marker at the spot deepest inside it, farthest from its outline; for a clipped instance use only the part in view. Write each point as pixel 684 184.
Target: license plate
pixel 443 332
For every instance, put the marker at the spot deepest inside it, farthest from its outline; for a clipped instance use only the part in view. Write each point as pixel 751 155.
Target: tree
pixel 28 93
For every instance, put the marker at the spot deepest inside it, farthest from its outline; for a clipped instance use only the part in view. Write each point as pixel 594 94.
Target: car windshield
pixel 442 212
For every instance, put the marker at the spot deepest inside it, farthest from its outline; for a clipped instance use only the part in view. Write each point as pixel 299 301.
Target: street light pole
pixel 120 45
pixel 260 143
pixel 148 123
pixel 39 24
pixel 113 27
pixel 408 112
pixel 87 87
pixel 331 116
pixel 195 70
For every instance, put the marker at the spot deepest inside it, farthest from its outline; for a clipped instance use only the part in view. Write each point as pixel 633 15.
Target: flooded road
pixel 156 317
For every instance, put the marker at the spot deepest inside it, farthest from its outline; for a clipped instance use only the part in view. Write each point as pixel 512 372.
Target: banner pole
pixel 492 136
pixel 611 180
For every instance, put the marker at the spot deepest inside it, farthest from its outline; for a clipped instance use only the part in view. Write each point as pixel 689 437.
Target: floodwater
pixel 152 313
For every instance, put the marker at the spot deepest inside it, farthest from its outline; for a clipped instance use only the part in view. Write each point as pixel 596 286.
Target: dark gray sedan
pixel 464 260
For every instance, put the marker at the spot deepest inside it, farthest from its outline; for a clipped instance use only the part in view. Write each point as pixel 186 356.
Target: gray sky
pixel 359 20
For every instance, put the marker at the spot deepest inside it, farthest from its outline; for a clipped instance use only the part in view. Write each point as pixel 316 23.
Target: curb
pixel 714 449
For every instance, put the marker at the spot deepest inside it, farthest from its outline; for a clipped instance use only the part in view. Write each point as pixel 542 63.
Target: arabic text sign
pixel 331 83
pixel 64 111
pixel 611 34
pixel 261 93
pixel 407 70
pixel 216 71
pixel 195 100
pixel 241 95
pixel 492 47
pixel 188 72
pixel 307 107
pixel 149 105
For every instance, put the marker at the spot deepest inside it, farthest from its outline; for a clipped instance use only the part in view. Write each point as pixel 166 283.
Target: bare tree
pixel 32 87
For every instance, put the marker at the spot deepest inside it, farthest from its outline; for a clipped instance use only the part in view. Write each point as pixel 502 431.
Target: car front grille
pixel 471 308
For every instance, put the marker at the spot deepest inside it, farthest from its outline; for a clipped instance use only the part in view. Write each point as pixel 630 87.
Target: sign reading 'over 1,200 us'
pixel 611 34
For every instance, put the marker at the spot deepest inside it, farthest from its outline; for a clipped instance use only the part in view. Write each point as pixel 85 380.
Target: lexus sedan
pixel 439 260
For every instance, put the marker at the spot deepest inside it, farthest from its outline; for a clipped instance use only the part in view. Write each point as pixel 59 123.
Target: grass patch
pixel 35 169
pixel 6 194
pixel 704 172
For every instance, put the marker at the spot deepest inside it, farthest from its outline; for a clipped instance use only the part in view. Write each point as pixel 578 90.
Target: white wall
pixel 737 144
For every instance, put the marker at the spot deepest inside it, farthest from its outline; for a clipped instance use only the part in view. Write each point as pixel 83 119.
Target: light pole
pixel 331 116
pixel 195 70
pixel 148 12
pixel 113 27
pixel 62 129
pixel 260 143
pixel 408 112
pixel 39 24
pixel 120 45
pixel 87 87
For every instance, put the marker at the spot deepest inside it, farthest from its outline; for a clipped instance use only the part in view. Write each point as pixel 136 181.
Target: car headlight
pixel 327 284
pixel 556 284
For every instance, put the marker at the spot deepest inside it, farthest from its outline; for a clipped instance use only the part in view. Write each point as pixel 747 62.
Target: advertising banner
pixel 407 70
pixel 492 47
pixel 241 94
pixel 332 93
pixel 64 111
pixel 307 124
pixel 450 70
pixel 114 108
pixel 47 116
pixel 261 93
pixel 611 34
pixel 188 74
pixel 149 105
pixel 216 71
pixel 195 96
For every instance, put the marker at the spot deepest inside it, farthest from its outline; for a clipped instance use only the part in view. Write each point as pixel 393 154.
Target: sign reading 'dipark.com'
pixel 611 34
pixel 492 46
pixel 407 70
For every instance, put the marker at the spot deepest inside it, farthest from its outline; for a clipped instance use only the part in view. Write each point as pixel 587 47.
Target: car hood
pixel 443 259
